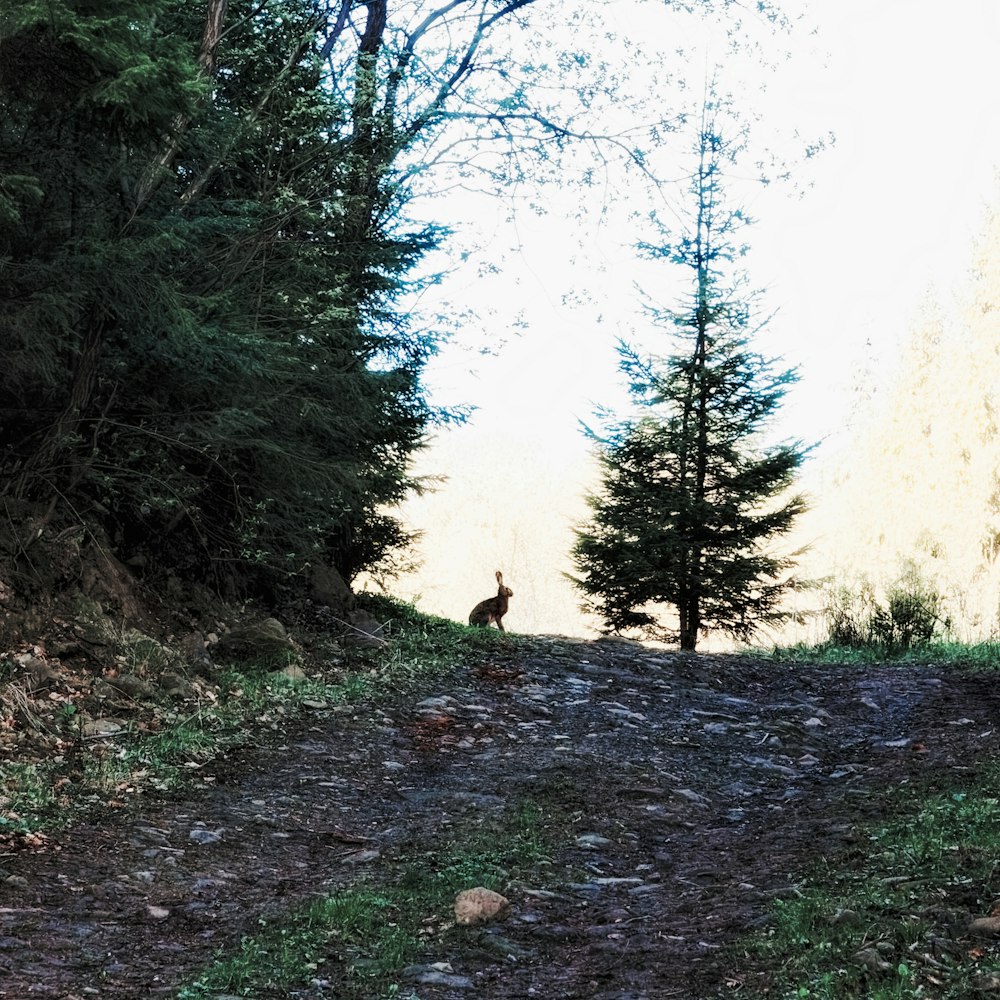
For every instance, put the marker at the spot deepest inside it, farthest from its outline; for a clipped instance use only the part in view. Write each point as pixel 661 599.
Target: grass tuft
pixel 975 656
pixel 890 919
pixel 359 939
pixel 354 932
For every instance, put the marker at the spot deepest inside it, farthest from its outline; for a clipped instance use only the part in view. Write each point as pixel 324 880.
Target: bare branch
pixel 465 63
pixel 244 20
pixel 336 31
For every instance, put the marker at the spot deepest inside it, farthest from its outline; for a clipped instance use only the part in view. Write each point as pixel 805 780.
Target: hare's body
pixel 493 608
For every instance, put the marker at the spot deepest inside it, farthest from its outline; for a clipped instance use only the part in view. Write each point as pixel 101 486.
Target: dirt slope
pixel 701 787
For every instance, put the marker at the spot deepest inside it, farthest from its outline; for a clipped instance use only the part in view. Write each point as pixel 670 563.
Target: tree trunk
pixel 690 623
pixel 215 16
pixel 688 614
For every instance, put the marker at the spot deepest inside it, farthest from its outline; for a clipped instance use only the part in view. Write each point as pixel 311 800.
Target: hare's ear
pixel 499 577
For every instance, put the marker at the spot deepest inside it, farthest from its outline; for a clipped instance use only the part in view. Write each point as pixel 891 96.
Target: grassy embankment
pixel 61 770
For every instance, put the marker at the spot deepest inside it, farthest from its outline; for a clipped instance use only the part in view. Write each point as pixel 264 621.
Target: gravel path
pixel 703 786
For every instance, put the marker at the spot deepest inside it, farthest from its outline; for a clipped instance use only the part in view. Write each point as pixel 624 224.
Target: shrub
pixel 911 615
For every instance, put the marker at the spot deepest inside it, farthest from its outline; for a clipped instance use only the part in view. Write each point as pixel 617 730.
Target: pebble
pixel 691 796
pixel 985 926
pixel 429 976
pixel 361 857
pixel 199 835
pixel 593 840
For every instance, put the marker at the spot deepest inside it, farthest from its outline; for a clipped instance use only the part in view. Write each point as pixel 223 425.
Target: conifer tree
pixel 690 496
pixel 206 255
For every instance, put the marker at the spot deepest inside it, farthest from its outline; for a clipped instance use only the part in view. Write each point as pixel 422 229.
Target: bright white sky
pixel 909 89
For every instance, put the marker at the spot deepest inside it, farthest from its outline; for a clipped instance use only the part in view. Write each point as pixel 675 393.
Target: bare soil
pixel 701 788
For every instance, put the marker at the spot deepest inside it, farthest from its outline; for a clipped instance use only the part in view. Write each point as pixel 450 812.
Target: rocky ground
pixel 700 788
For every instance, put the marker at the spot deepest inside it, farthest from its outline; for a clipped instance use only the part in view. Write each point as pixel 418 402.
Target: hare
pixel 493 608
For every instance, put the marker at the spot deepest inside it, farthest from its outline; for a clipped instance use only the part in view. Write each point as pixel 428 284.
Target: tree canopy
pixel 206 255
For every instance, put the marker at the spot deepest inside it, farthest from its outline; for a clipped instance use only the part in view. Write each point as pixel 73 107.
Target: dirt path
pixel 703 785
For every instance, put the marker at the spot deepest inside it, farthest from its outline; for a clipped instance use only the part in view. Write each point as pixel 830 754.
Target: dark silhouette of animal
pixel 493 608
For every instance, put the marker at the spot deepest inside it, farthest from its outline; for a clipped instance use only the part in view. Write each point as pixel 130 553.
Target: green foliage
pixel 689 497
pixel 359 925
pixel 976 656
pixel 28 798
pixel 198 290
pixel 910 616
pixel 420 644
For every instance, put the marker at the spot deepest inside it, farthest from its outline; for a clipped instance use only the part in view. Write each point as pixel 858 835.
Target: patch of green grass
pixel 977 656
pixel 28 795
pixel 361 938
pixel 356 932
pixel 491 855
pixel 421 644
pixel 164 759
pixel 889 919
pixel 169 758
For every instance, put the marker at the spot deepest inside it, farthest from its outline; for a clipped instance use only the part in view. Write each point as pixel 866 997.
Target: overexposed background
pixel 871 247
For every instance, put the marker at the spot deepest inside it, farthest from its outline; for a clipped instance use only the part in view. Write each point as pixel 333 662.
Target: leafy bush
pixel 849 615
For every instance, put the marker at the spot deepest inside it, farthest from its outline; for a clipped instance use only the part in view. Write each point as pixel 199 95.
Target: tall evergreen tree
pixel 690 496
pixel 198 280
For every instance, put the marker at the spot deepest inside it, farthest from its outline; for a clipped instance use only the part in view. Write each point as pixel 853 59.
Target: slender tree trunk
pixel 687 610
pixel 696 406
pixel 369 157
pixel 215 15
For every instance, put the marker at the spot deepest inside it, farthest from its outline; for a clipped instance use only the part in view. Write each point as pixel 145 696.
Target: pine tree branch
pixel 212 33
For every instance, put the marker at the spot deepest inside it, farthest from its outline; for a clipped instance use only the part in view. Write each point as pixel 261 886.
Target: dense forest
pixel 205 247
